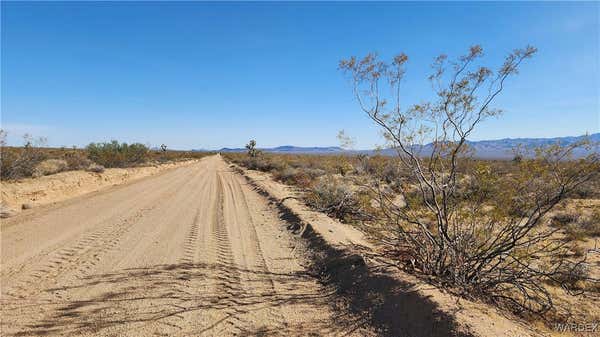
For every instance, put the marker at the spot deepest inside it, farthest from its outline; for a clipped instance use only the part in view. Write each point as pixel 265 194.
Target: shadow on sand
pixel 364 300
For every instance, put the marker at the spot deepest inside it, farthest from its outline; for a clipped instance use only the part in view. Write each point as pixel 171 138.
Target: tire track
pixel 187 254
pixel 192 240
pixel 229 288
pixel 260 268
pixel 83 254
pixel 8 272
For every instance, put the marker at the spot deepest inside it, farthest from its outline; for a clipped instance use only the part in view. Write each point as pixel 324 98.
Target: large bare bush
pixel 17 163
pixel 474 230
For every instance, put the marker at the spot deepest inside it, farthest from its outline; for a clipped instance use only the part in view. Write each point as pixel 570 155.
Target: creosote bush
pixel 334 197
pixel 34 160
pixel 466 224
pixel 115 154
pixel 17 163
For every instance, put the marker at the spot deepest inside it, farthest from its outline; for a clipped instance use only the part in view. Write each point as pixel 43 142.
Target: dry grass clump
pixel 591 224
pixel 294 176
pixel 578 225
pixel 572 275
pixel 591 190
pixel 49 166
pixel 334 197
pixel 95 168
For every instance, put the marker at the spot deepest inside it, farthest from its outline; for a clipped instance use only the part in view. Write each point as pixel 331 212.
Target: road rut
pixel 192 251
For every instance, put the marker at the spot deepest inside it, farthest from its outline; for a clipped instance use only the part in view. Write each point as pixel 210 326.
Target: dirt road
pixel 192 251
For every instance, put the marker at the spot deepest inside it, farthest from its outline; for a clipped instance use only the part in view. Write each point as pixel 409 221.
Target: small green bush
pixel 115 154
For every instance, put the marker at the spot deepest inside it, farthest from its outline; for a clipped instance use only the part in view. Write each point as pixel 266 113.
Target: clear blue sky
pixel 208 75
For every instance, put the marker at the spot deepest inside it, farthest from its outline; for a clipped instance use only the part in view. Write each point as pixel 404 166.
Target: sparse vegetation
pixel 476 227
pixel 20 162
pixel 578 226
pixel 475 233
pixel 33 159
pixel 115 154
pixel 251 147
pixel 336 198
pixel 49 166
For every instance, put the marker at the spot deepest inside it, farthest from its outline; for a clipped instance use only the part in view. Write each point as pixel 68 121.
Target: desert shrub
pixel 334 197
pixel 361 163
pixel 19 163
pixel 372 165
pixel 343 167
pixel 175 155
pixel 581 227
pixel 258 163
pixel 294 176
pixel 286 174
pixel 591 190
pixel 76 160
pixel 393 175
pixel 95 168
pixel 571 274
pixel 384 169
pixel 485 239
pixel 275 162
pixel 574 232
pixel 591 224
pixel 314 172
pixel 564 218
pixel 115 154
pixel 49 166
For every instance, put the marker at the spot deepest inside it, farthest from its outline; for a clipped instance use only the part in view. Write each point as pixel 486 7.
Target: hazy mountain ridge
pixel 291 149
pixel 488 149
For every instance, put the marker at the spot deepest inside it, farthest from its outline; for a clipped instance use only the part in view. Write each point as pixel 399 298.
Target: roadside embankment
pixel 396 302
pixel 32 192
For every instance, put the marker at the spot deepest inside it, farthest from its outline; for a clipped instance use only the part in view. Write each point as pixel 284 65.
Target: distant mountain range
pixel 486 149
pixel 292 149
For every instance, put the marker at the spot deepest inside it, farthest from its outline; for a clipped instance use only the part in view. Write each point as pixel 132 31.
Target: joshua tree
pixel 474 232
pixel 251 147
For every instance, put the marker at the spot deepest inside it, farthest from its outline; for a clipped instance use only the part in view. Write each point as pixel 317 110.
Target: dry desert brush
pixel 115 154
pixel 470 230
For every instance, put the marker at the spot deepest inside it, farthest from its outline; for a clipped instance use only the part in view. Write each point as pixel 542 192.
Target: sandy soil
pixel 192 251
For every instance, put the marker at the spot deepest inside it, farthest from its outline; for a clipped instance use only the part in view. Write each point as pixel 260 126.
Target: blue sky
pixel 209 75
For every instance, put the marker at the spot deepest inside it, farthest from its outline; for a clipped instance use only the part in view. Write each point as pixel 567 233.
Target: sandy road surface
pixel 193 251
